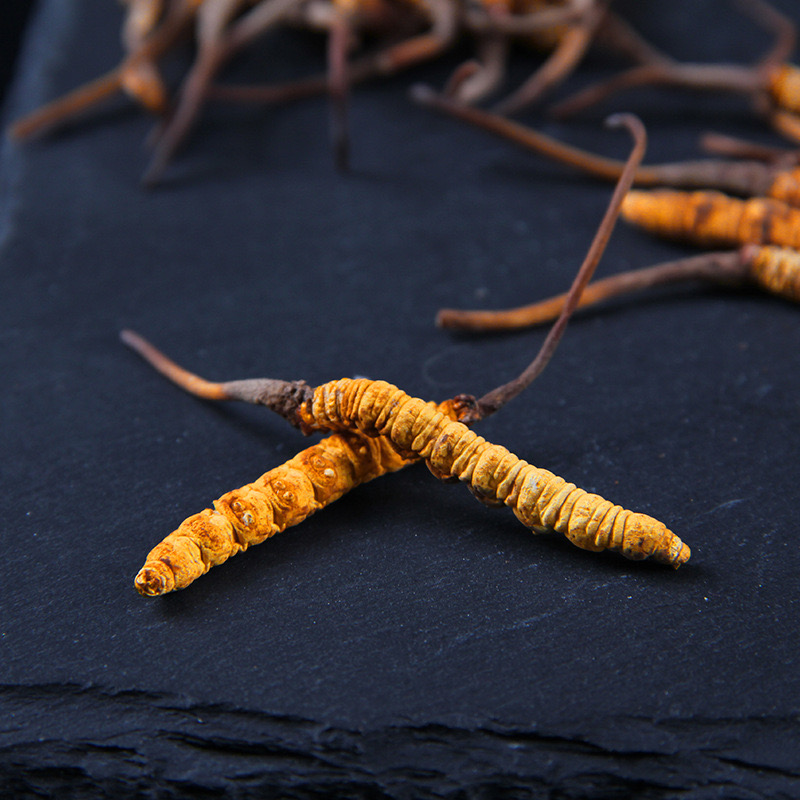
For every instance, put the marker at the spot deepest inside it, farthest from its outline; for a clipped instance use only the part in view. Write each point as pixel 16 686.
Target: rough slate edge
pixel 83 711
pixel 143 745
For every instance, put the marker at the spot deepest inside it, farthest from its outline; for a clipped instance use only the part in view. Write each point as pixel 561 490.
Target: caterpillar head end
pixel 675 554
pixel 154 578
pixel 684 554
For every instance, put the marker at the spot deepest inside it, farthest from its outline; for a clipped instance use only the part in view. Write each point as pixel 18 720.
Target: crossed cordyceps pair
pixel 377 428
pixel 416 31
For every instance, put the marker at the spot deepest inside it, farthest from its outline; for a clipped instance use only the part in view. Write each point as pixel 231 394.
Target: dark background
pixel 15 15
pixel 407 641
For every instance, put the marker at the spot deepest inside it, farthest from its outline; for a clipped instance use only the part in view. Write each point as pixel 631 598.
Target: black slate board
pixel 407 641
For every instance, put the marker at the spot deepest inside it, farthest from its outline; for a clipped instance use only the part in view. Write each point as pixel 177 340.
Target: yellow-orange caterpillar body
pixel 713 218
pixel 776 269
pixel 786 187
pixel 784 87
pixel 280 498
pixel 497 477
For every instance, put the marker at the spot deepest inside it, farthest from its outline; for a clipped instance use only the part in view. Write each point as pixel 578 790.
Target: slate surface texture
pixel 407 642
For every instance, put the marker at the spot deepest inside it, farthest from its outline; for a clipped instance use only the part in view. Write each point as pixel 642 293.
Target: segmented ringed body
pixel 280 498
pixel 539 498
pixel 713 218
pixel 784 87
pixel 777 269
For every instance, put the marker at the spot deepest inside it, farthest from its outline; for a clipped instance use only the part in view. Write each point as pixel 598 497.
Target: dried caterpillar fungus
pixel 773 269
pixel 411 429
pixel 776 269
pixel 280 498
pixel 783 85
pixel 538 498
pixel 713 218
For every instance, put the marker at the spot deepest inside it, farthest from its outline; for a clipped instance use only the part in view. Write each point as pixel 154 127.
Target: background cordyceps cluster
pixel 319 187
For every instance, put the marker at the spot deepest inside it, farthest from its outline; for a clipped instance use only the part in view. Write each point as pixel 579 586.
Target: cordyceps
pixel 378 428
pixel 282 497
pixel 772 269
pixel 149 31
pixel 772 83
pixel 496 476
pixel 748 178
pixel 407 33
pixel 417 30
pixel 713 219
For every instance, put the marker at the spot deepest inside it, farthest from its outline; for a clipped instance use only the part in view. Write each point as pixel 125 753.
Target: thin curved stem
pixel 561 62
pixel 746 178
pixel 704 77
pixel 283 397
pixel 724 267
pixel 497 398
pixel 60 111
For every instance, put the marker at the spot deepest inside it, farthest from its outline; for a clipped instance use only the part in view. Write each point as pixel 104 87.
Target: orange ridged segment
pixel 539 498
pixel 777 269
pixel 280 498
pixel 786 187
pixel 784 87
pixel 712 218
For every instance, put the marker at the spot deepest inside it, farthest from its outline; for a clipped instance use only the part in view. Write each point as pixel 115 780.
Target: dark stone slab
pixel 407 641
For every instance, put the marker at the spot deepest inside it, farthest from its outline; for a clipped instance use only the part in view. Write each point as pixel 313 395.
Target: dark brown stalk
pixel 702 77
pixel 64 109
pixel 220 36
pixel 616 35
pixel 561 62
pixel 497 398
pixel 480 21
pixel 478 78
pixel 269 94
pixel 286 397
pixel 339 37
pixel 748 178
pixel 725 267
pixel 779 25
pixel 720 144
pixel 750 80
pixel 282 397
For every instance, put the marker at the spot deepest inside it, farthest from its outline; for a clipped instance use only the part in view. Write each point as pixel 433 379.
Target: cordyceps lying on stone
pixel 772 269
pixel 378 428
pixel 773 84
pixel 713 219
pixel 405 32
pixel 748 178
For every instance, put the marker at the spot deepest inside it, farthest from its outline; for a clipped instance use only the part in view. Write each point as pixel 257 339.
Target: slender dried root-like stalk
pixel 773 84
pixel 136 75
pixel 773 269
pixel 747 178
